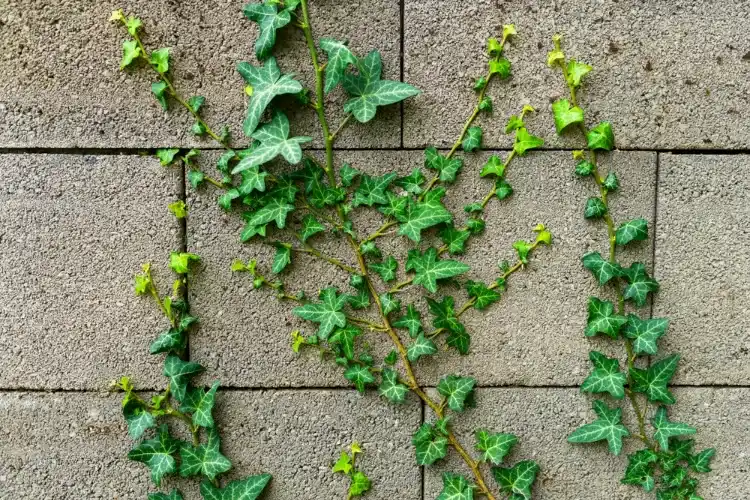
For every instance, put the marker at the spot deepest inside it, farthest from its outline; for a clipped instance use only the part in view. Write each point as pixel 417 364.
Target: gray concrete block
pixel 543 418
pixel 63 87
pixel 73 232
pixel 534 336
pixel 294 435
pixel 703 267
pixel 655 89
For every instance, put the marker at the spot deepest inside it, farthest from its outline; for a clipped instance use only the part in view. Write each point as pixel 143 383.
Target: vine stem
pixel 396 340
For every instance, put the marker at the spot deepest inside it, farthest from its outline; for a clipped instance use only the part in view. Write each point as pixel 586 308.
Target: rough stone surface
pixel 704 270
pixel 63 87
pixel 648 80
pixel 542 419
pixel 73 232
pixel 295 435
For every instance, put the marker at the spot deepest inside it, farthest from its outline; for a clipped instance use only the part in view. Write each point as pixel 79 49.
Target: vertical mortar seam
pixel 654 215
pixel 401 62
pixel 183 240
pixel 422 467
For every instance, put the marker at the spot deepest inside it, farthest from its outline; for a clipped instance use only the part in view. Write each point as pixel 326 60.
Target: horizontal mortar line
pixel 342 389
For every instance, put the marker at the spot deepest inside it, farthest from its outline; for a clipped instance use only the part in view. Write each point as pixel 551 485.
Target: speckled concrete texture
pixel 63 88
pixel 295 435
pixel 701 262
pixel 73 231
pixel 666 74
pixel 542 419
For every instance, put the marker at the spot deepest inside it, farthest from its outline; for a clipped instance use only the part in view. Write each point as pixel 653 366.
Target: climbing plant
pixel 294 211
pixel 665 462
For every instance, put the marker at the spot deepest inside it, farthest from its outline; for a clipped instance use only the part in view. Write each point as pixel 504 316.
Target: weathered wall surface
pixel 81 208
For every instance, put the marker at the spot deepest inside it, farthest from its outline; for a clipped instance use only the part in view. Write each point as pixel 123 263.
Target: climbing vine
pixel 665 461
pixel 293 211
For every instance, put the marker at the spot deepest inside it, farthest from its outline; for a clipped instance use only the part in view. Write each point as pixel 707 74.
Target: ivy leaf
pixel 347 174
pixel 482 295
pixel 386 269
pixel 421 346
pixel 371 190
pixel 327 312
pixel 494 446
pixel 666 429
pixel 411 321
pixel 205 459
pixel 343 464
pixel 701 462
pixel 389 303
pixel 645 333
pixel 565 115
pixel 639 283
pixel 610 182
pixel 473 140
pixel 455 487
pixel 607 427
pixel 391 388
pixel 159 90
pixel 422 215
pixel 454 239
pixel 446 168
pixel 500 67
pixel 456 389
pixel 173 495
pixel 412 183
pixel 494 166
pixel 360 484
pixel 200 403
pixel 632 230
pixel 179 262
pixel 178 208
pixel 368 91
pixel 653 381
pixel 282 258
pixel 523 248
pixel 339 58
pixel 274 141
pixel 179 373
pixel 445 315
pixel 606 376
pixel 428 269
pixel 516 481
pixel 345 338
pixel 514 123
pixel 601 137
pixel 576 71
pixel 137 417
pixel 584 168
pixel 275 210
pixel 172 340
pixel 603 270
pixel 267 82
pixel 360 376
pixel 602 318
pixel 244 489
pixel 157 454
pixel 160 60
pixel 503 189
pixel 166 156
pixel 269 19
pixel 595 208
pixel 640 470
pixel 310 227
pixel 130 52
pixel 459 339
pixel 525 141
pixel 253 179
pixel 430 445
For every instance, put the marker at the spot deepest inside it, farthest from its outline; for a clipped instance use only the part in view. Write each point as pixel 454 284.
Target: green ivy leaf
pixel 500 67
pixel 606 376
pixel 602 318
pixel 205 459
pixel 274 141
pixel 494 166
pixel 418 216
pixel 345 338
pixel 525 141
pixel 391 358
pixel 389 303
pixel 516 481
pixel 159 90
pixel 179 373
pixel 360 484
pixel 339 59
pixel 371 190
pixel 195 178
pixel 632 230
pixel 595 208
pixel 391 388
pixel 310 227
pixel 601 137
pixel 412 183
pixel 455 487
pixel 446 168
pixel 157 454
pixel 411 321
pixel 639 283
pixel 494 446
pixel 584 168
pixel 456 389
pixel 282 258
pixel 645 333
pixel 473 140
pixel 200 403
pixel 343 464
pixel 482 295
pixel 444 314
pixel 136 416
pixel 275 210
pixel 269 19
pixel 172 340
pixel 610 182
pixel 244 489
pixel 459 339
pixel 454 239
pixel 360 376
pixel 576 71
pixel 603 270
pixel 253 179
pixel 267 82
pixel 429 269
pixel 666 429
pixel 179 262
pixel 485 104
pixel 368 91
pixel 607 427
pixel 166 156
pixel 640 470
pixel 173 495
pixel 523 248
pixel 701 462
pixel 430 445
pixel 160 60
pixel 421 346
pixel 347 174
pixel 653 381
pixel 565 114
pixel 502 189
pixel 130 52
pixel 327 312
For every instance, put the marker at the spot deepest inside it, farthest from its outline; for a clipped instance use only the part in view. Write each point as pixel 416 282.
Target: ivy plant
pixel 359 483
pixel 666 461
pixel 293 210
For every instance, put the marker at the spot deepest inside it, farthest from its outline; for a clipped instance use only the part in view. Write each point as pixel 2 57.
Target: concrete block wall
pixel 81 207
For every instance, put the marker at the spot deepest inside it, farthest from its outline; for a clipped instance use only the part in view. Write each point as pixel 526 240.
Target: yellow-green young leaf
pixel 456 487
pixel 601 137
pixel 666 429
pixel 494 48
pixel 576 71
pixel 607 427
pixel 508 31
pixel 130 52
pixel 391 388
pixel 282 258
pixel 421 346
pixel 298 340
pixel 653 381
pixel 159 89
pixel 158 454
pixel 500 67
pixel 456 390
pixel 178 208
pixel 523 248
pixel 133 24
pixel 160 60
pixel 525 141
pixel 179 262
pixel 632 230
pixel 360 484
pixel 343 464
pixel 473 140
pixel 244 489
pixel 606 376
pixel 517 481
pixel 166 156
pixel 494 166
pixel 430 445
pixel 543 235
pixel 645 333
pixel 602 318
pixel 494 446
pixel 565 114
pixel 514 123
pixel 327 312
pixel 411 321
